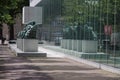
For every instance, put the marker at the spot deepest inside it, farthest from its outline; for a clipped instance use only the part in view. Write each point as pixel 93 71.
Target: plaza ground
pixel 52 67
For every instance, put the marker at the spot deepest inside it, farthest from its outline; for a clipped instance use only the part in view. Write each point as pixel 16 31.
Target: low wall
pixel 89 46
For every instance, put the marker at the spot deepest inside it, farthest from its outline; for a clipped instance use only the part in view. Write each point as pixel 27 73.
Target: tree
pixel 110 11
pixel 80 13
pixel 71 9
pixel 9 8
pixel 5 7
pixel 14 13
pixel 8 11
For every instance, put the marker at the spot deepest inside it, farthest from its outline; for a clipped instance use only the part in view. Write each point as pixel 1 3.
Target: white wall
pixel 34 2
pixel 32 14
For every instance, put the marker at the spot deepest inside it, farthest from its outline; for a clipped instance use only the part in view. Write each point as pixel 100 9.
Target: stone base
pixel 89 46
pixel 31 54
pixel 27 45
pixel 30 45
pixel 21 53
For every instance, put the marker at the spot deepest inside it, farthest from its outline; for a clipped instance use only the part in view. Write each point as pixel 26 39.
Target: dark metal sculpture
pixel 79 32
pixel 25 33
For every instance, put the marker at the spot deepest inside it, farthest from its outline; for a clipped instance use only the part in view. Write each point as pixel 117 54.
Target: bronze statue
pixel 25 33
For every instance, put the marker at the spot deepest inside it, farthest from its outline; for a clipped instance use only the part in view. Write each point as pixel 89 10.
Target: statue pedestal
pixel 27 45
pixel 28 48
pixel 27 42
pixel 30 45
pixel 70 44
pixel 20 43
pixel 89 46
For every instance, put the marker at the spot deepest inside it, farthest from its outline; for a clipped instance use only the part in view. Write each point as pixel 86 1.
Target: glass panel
pixel 86 29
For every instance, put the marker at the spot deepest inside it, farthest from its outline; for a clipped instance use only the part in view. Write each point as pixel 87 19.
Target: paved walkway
pixel 50 68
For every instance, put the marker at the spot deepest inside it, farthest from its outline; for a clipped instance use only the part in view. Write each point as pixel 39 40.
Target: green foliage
pixel 6 18
pixel 9 8
pixel 111 10
pixel 5 7
pixel 71 9
pixel 95 13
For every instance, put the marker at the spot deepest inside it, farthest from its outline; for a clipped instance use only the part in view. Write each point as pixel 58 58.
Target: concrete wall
pixel 30 45
pixel 32 14
pixel 87 46
pixel 27 45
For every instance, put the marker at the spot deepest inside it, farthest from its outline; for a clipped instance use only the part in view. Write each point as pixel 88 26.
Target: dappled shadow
pixel 21 72
pixel 15 60
pixel 36 76
pixel 4 48
pixel 18 68
pixel 12 67
pixel 67 68
pixel 21 68
pixel 25 75
pixel 48 61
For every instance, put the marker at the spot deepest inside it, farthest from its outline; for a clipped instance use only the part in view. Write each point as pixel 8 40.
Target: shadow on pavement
pixel 13 68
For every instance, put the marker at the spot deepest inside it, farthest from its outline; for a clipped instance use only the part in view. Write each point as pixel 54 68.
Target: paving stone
pixel 52 68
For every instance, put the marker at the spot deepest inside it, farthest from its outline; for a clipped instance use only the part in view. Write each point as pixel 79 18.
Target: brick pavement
pixel 51 68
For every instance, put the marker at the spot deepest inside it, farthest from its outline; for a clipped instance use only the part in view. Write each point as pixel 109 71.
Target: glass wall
pixel 88 29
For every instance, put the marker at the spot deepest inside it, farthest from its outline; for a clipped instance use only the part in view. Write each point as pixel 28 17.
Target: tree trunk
pixel 11 31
